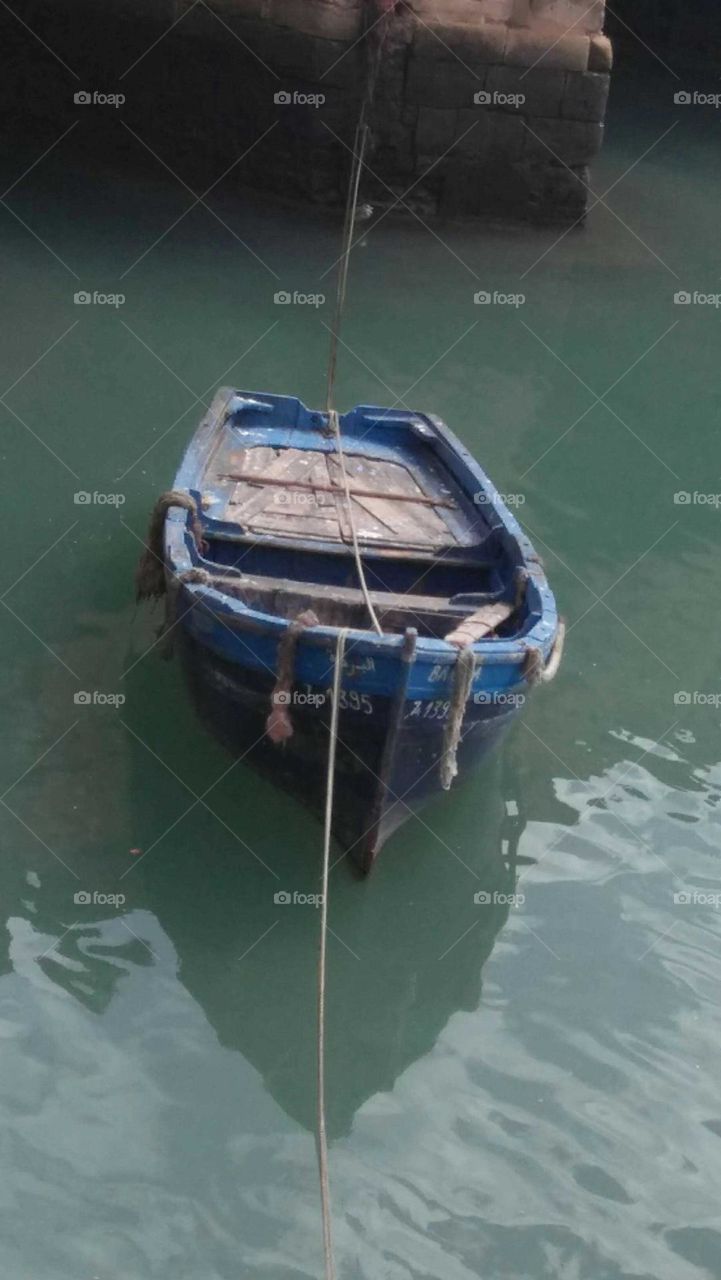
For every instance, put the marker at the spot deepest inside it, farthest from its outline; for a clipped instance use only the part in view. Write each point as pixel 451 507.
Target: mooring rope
pixel 335 425
pixel 322 1143
pixel 351 209
pixel 535 671
pixel 359 146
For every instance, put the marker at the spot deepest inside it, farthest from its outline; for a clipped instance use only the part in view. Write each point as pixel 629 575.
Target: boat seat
pixel 338 606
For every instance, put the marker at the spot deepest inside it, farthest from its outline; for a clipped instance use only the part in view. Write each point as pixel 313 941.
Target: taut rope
pixel 335 425
pixel 359 149
pixel 322 1143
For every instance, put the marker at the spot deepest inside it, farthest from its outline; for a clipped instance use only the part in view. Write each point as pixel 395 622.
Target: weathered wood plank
pixel 480 624
pixel 355 492
pixel 352 595
pixel 389 502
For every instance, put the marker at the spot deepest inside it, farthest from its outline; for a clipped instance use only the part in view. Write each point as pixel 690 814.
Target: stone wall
pixel 491 107
pixel 482 107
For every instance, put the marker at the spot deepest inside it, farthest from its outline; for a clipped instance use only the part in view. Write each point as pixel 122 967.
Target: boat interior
pixel 278 527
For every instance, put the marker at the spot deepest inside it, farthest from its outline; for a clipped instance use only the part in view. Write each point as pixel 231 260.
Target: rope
pixel 335 425
pixel 359 149
pixel 359 146
pixel 322 1143
pixel 376 37
pixel 279 726
pixel 150 573
pixel 534 670
pixel 463 673
pixel 554 660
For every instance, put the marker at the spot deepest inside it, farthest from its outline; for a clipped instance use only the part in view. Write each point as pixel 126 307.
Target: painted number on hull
pixel 435 710
pixel 348 699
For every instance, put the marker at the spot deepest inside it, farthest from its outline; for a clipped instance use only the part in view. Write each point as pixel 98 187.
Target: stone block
pixel 474 130
pixel 394 150
pixel 582 16
pixel 336 63
pixel 585 96
pixel 224 8
pixel 507 137
pixel 200 23
pixel 318 125
pixel 289 53
pixel 473 46
pixel 461 187
pixel 466 11
pixel 391 82
pixel 601 54
pixel 521 13
pixel 541 89
pixel 541 47
pixel 573 142
pixel 484 133
pixel 435 131
pixel 442 84
pixel 496 10
pixel 504 191
pixel 332 19
pixel 552 194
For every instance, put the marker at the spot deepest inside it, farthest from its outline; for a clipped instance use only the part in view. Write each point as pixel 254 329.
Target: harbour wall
pixel 488 108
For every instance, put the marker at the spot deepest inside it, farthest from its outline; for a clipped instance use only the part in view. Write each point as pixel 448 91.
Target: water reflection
pixel 406 949
pixel 407 946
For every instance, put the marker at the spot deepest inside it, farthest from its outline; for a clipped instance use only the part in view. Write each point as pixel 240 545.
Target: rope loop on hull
pixel 463 672
pixel 279 726
pixel 150 583
pixel 535 671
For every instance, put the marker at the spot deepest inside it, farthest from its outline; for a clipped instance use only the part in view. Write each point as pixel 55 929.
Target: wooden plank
pixel 352 595
pixel 389 502
pixel 332 488
pixel 480 624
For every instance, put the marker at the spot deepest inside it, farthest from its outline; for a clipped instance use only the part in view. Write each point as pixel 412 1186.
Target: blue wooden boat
pixel 258 562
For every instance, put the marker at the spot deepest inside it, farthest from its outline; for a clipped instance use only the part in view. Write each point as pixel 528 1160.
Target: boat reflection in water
pixel 406 949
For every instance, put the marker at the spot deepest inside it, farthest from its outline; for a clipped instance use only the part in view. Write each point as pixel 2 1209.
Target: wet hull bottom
pixel 376 788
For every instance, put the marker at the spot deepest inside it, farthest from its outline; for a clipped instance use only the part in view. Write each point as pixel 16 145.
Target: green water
pixel 513 1092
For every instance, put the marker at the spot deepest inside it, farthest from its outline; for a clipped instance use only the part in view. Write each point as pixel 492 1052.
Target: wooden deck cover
pixel 300 493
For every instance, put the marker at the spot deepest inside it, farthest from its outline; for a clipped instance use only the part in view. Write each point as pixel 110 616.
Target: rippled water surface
pixel 527 1091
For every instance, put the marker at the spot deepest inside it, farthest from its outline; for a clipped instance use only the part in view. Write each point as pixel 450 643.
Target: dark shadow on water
pixel 407 945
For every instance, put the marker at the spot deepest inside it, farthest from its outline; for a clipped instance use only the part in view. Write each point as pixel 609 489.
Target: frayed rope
pixel 463 672
pixel 150 581
pixel 279 726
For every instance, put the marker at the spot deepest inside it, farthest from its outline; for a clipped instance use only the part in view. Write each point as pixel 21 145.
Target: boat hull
pixel 388 753
pixel 260 583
